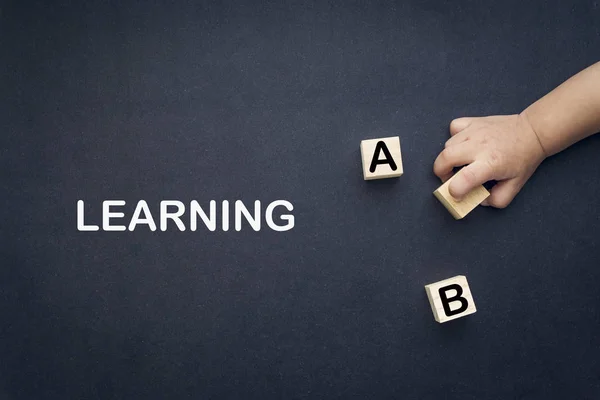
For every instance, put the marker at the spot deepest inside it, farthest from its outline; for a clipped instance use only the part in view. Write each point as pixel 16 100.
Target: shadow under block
pixel 381 158
pixel 459 209
pixel 450 299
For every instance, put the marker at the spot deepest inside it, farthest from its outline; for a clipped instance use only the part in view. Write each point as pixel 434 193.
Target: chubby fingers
pixel 460 137
pixel 454 156
pixel 460 124
pixel 458 131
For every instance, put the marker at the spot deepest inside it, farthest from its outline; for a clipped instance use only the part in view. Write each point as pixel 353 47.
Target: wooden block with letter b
pixel 381 158
pixel 457 208
pixel 450 299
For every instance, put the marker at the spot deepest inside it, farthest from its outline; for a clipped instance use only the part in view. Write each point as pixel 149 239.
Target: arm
pixel 509 148
pixel 569 113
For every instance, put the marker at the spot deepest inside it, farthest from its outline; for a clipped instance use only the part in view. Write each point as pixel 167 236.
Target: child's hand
pixel 502 148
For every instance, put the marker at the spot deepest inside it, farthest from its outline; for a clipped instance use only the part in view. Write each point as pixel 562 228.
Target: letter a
pixel 381 158
pixel 379 147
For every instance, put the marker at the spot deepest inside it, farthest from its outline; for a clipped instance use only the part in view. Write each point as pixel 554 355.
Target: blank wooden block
pixel 459 209
pixel 450 299
pixel 381 158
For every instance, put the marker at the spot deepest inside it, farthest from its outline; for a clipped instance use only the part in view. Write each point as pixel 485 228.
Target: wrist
pixel 534 130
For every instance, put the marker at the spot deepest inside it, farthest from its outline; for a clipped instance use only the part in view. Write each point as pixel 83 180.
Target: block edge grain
pixel 432 304
pixel 446 204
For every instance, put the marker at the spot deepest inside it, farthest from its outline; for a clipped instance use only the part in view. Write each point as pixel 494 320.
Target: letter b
pixel 450 299
pixel 457 298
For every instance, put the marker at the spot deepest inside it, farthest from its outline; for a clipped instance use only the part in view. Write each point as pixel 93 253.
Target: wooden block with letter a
pixel 450 299
pixel 457 208
pixel 381 158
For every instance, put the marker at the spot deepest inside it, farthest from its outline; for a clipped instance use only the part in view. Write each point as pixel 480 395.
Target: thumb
pixel 503 193
pixel 469 178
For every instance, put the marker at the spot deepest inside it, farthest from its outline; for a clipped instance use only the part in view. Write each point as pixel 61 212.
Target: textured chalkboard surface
pixel 234 100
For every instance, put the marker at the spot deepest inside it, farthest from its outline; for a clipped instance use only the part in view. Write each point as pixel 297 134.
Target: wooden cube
pixel 381 158
pixel 459 209
pixel 450 299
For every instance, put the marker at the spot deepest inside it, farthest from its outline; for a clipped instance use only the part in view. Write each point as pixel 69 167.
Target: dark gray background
pixel 269 100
